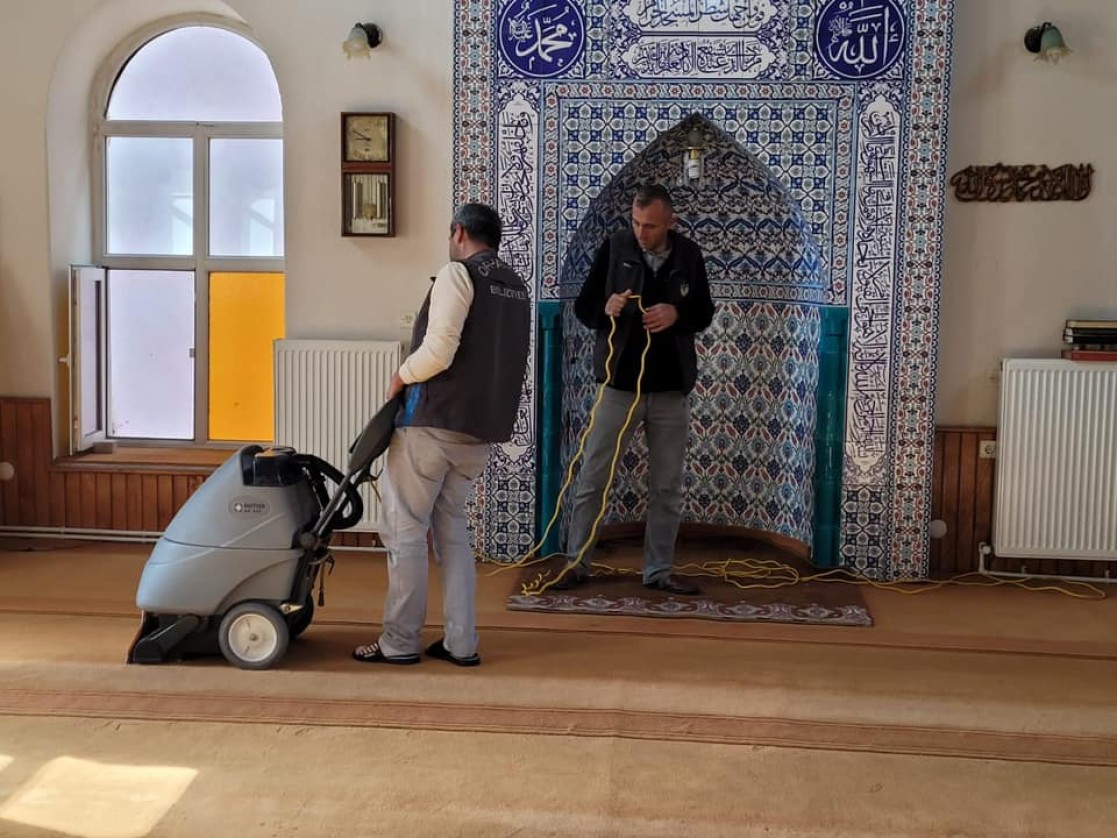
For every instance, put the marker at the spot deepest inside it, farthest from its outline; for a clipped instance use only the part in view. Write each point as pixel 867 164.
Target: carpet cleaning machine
pixel 235 569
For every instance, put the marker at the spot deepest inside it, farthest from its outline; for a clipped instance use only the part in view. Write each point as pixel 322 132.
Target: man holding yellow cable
pixel 652 281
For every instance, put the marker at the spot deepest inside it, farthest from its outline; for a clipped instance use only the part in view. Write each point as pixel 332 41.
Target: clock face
pixel 366 139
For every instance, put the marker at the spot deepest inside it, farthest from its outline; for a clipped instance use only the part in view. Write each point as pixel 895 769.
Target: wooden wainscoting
pixel 79 494
pixel 108 494
pixel 96 492
pixel 962 496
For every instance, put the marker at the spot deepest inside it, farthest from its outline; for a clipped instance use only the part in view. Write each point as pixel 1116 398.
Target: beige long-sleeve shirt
pixel 451 297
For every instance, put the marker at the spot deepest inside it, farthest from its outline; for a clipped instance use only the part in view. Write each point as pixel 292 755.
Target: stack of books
pixel 1090 340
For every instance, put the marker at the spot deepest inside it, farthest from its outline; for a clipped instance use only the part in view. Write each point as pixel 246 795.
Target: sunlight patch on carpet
pixel 89 799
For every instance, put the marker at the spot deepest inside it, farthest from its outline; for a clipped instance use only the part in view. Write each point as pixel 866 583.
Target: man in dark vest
pixel 667 271
pixel 462 385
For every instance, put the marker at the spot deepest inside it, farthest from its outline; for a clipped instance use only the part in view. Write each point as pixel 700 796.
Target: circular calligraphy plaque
pixel 542 38
pixel 860 39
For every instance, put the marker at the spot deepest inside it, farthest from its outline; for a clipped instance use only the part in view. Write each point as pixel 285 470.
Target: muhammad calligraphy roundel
pixel 542 38
pixel 860 39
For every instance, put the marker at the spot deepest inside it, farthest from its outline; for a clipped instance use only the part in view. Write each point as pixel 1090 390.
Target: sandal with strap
pixel 438 650
pixel 373 654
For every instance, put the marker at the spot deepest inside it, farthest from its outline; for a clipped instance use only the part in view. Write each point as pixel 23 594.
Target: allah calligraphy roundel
pixel 860 39
pixel 542 38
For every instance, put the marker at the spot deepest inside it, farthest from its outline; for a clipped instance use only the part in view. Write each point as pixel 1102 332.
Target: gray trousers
pixel 666 418
pixel 426 482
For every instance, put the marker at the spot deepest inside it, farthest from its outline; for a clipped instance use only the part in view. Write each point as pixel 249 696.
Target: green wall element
pixel 549 412
pixel 830 435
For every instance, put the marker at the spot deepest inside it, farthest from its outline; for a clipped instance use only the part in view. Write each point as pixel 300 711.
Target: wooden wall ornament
pixel 1003 183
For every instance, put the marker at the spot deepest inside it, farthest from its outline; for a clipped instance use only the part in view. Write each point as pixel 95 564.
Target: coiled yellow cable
pixel 744 574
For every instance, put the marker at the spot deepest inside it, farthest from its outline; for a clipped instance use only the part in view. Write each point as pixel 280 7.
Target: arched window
pixel 177 322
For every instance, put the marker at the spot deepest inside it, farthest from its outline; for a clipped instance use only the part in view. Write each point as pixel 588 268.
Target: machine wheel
pixel 300 620
pixel 253 635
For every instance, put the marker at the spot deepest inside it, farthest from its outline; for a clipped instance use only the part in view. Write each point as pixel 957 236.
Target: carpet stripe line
pixel 628 724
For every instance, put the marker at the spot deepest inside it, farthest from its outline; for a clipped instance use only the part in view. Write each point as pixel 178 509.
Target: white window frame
pixel 201 262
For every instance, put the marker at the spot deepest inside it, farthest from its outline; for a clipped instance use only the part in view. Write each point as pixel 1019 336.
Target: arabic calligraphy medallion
pixel 860 39
pixel 542 38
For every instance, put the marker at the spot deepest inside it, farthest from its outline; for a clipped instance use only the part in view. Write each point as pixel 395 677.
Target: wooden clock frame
pixel 368 186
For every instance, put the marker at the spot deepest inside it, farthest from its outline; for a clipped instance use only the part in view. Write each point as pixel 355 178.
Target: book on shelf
pixel 1091 324
pixel 1089 337
pixel 1096 346
pixel 1090 354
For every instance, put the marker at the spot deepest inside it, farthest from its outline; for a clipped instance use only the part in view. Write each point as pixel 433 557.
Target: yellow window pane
pixel 245 316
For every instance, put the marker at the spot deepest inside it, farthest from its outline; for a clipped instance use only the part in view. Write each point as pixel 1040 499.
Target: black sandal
pixel 438 650
pixel 372 654
pixel 673 584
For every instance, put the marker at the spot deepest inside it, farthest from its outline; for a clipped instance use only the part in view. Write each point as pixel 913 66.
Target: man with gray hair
pixel 462 385
pixel 667 272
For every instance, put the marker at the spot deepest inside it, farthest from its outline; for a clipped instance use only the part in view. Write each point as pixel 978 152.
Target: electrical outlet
pixel 987 449
pixel 406 321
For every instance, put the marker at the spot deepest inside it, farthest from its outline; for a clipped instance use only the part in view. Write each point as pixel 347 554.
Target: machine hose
pixel 318 471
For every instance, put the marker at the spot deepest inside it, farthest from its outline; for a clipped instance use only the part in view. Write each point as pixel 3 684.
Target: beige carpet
pixel 100 580
pixel 805 695
pixel 962 713
pixel 221 780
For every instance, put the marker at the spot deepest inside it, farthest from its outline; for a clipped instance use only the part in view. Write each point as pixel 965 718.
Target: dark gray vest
pixel 672 362
pixel 480 393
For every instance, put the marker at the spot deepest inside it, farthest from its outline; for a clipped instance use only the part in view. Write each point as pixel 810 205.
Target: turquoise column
pixel 549 422
pixel 830 434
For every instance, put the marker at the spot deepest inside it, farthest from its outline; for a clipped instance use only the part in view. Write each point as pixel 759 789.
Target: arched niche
pixel 751 459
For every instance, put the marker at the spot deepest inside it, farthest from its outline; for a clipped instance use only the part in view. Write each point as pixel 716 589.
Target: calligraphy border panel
pixel 789 34
pixel 777 39
pixel 873 273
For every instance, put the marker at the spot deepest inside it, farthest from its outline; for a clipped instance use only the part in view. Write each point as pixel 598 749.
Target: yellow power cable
pixel 769 574
pixel 766 573
pixel 529 557
pixel 540 584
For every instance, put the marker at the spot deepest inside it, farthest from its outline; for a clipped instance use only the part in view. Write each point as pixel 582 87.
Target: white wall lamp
pixel 693 158
pixel 363 37
pixel 1046 41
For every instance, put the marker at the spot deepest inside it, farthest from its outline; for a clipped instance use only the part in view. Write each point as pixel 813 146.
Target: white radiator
pixel 325 393
pixel 1056 494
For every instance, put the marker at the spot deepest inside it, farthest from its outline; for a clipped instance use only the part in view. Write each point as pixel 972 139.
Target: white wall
pixel 26 65
pixel 345 288
pixel 1014 272
pixel 353 287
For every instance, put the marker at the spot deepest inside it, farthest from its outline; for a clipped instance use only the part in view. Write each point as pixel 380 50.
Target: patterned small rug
pixel 608 592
